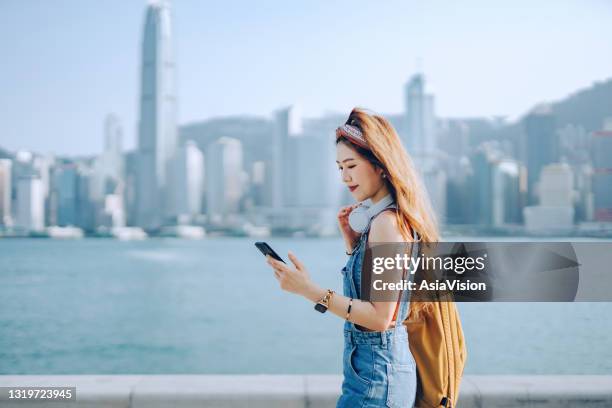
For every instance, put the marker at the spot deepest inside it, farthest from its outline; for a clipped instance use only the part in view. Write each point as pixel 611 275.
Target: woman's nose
pixel 345 176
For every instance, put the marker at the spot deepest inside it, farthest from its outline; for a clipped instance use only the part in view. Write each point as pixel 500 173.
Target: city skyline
pixel 47 110
pixel 270 117
pixel 239 174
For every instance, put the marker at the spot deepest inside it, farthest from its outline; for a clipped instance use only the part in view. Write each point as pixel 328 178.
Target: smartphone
pixel 267 250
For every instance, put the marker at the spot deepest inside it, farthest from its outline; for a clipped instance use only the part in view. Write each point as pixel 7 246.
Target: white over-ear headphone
pixel 360 216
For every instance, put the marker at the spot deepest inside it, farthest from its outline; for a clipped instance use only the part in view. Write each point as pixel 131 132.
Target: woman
pixel 379 369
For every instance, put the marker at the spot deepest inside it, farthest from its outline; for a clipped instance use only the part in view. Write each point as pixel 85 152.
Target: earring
pixel 384 176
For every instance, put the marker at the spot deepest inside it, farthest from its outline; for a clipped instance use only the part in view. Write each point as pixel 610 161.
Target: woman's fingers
pixel 345 210
pixel 344 213
pixel 277 272
pixel 275 263
pixel 278 266
pixel 291 279
pixel 270 260
pixel 298 264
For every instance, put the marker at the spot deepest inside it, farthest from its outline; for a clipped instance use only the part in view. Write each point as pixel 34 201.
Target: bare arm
pixel 372 315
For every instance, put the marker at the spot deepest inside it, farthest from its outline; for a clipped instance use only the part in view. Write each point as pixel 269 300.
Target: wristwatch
pixel 323 303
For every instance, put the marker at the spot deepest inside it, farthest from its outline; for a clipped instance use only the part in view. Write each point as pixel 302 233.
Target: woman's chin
pixel 357 196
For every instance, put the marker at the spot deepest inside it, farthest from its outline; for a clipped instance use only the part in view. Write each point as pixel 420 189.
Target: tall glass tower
pixel 157 137
pixel 419 133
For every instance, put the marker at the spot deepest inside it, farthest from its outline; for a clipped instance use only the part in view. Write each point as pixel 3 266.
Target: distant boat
pixel 256 231
pixel 64 232
pixel 183 231
pixel 128 233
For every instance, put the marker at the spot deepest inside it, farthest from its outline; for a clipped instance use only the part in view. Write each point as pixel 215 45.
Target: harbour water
pixel 101 306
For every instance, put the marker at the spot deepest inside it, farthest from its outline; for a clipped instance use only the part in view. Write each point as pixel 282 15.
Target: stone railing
pixel 303 391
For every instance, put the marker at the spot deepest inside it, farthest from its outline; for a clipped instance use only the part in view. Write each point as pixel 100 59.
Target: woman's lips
pixel 353 188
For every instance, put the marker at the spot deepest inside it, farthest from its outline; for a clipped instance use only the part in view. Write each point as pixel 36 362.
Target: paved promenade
pixel 300 391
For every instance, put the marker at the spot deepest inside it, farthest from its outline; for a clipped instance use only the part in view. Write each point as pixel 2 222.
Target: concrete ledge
pixel 301 391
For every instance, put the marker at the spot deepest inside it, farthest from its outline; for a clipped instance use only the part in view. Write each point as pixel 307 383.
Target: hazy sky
pixel 66 64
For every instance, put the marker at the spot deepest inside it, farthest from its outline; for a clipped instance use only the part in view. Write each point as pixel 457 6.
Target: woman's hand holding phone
pixel 349 235
pixel 295 280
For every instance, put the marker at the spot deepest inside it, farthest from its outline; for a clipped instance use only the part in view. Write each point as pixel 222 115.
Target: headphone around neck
pixel 360 217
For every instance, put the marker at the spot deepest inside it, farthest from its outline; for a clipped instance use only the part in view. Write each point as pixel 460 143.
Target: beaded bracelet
pixel 348 313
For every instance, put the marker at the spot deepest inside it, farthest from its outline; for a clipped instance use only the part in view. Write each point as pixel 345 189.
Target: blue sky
pixel 66 64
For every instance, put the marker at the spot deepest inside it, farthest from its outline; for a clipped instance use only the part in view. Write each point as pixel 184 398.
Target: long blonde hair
pixel 414 208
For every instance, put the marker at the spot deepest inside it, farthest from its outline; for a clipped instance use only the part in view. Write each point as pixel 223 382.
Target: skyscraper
pixel 157 137
pixel 541 146
pixel 602 172
pixel 189 180
pixel 5 192
pixel 555 211
pixel 419 128
pixel 419 138
pixel 280 149
pixel 66 191
pixel 30 203
pixel 109 166
pixel 112 155
pixel 505 189
pixel 224 178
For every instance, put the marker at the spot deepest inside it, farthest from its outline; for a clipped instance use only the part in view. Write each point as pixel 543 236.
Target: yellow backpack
pixel 438 346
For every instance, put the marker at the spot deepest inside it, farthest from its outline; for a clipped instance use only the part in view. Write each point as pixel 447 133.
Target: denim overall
pixel 379 369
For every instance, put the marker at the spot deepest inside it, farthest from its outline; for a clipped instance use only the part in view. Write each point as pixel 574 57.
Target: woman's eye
pixel 348 167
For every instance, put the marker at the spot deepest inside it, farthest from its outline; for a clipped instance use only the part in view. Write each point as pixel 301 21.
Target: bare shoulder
pixel 384 228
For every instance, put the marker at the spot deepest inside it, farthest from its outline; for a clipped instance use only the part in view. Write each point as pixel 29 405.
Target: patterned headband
pixel 353 134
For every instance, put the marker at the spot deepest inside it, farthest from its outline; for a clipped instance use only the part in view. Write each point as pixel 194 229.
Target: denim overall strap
pixel 363 242
pixel 405 297
pixel 356 260
pixel 367 230
pixel 357 252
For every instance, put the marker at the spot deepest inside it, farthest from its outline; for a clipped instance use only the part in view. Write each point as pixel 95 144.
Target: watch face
pixel 320 308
